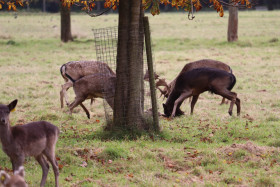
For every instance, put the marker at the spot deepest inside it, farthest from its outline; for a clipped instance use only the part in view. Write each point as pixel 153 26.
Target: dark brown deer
pixel 94 86
pixel 204 63
pixel 197 81
pixel 75 70
pixel 37 139
pixel 16 180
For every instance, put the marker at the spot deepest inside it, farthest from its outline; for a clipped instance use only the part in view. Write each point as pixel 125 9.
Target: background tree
pixel 232 33
pixel 65 23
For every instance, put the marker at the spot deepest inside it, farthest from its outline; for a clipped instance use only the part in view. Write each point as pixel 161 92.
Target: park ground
pixel 209 148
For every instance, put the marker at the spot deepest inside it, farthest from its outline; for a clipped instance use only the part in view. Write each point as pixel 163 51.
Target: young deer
pixel 75 70
pixel 37 139
pixel 17 180
pixel 94 86
pixel 204 63
pixel 197 81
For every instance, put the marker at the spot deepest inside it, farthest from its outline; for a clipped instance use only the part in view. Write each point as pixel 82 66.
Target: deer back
pixel 32 138
pixel 204 79
pixel 79 69
pixel 206 63
pixel 95 85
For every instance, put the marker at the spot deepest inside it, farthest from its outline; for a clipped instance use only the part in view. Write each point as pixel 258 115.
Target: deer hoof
pixel 230 113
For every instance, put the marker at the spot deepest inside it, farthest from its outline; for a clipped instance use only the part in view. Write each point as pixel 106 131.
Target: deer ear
pixel 4 178
pixel 20 171
pixel 12 105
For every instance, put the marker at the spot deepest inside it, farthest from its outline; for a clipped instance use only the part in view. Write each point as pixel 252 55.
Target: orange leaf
pixel 60 166
pixel 68 179
pixel 130 175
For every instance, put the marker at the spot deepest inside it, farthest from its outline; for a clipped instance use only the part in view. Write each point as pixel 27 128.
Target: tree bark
pixel 232 34
pixel 65 24
pixel 128 110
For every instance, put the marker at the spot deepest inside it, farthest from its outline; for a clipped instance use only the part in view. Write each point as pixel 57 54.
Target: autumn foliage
pixel 186 5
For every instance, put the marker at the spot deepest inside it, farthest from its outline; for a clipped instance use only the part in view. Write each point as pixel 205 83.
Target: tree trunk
pixel 44 5
pixel 128 110
pixel 270 5
pixel 232 34
pixel 65 24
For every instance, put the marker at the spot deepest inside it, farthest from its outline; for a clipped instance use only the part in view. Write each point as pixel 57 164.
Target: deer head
pixel 16 180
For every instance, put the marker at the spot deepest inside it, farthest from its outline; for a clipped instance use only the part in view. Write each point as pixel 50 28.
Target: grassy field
pixel 209 148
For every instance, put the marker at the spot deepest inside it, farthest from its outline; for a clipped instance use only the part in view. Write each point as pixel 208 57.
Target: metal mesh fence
pixel 106 40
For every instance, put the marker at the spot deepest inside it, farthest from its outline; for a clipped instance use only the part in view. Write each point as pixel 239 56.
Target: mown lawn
pixel 209 148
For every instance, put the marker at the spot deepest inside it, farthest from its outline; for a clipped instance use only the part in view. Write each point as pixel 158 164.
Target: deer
pixel 194 82
pixel 75 70
pixel 193 65
pixel 93 86
pixel 16 180
pixel 36 139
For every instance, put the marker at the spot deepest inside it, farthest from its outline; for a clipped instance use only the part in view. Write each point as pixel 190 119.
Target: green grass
pixel 191 150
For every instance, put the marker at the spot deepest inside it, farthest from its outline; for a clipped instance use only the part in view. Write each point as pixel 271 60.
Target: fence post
pixel 151 72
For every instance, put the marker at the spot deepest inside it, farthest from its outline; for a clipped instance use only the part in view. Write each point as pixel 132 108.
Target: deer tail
pixel 233 81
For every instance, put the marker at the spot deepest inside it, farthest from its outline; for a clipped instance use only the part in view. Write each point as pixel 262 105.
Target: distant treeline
pixel 54 5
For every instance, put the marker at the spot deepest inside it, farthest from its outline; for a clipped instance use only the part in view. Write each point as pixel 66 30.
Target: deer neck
pixel 6 135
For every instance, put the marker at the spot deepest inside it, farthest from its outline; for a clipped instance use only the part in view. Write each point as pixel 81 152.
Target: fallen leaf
pixel 68 179
pixel 60 166
pixel 130 175
pixel 84 164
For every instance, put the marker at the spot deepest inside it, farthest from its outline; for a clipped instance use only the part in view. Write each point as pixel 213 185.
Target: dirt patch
pixel 246 152
pixel 249 147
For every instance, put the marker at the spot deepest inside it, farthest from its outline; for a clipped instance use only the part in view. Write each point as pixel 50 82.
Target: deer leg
pixel 238 105
pixel 190 99
pixel 50 154
pixel 179 112
pixel 194 100
pixel 182 97
pixel 17 162
pixel 45 168
pixel 64 88
pixel 85 109
pixel 76 102
pixel 91 101
pixel 233 100
pixel 231 96
pixel 223 101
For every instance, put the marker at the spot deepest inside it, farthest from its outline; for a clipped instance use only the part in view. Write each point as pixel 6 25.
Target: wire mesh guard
pixel 106 40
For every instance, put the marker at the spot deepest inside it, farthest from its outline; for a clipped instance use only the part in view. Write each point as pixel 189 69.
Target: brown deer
pixel 17 180
pixel 75 70
pixel 37 139
pixel 197 81
pixel 204 63
pixel 94 86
